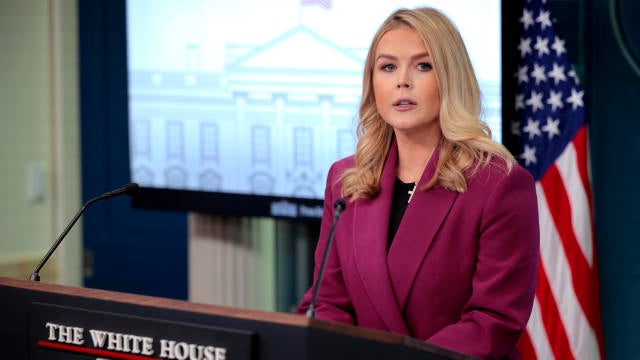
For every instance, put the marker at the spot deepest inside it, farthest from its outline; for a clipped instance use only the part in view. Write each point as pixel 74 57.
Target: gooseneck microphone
pixel 128 189
pixel 339 207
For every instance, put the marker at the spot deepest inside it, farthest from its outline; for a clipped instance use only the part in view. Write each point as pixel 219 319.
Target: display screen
pixel 240 107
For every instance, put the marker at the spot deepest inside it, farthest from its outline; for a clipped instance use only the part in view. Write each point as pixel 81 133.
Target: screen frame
pixel 256 205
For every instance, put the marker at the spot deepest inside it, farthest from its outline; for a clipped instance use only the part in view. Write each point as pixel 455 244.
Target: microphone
pixel 339 207
pixel 128 189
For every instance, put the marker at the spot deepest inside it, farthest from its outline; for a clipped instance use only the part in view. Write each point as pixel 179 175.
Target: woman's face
pixel 405 85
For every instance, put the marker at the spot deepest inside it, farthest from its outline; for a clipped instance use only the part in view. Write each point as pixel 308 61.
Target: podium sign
pixel 63 332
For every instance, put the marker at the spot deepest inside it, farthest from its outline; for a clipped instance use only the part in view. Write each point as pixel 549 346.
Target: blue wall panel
pixel 614 89
pixel 126 249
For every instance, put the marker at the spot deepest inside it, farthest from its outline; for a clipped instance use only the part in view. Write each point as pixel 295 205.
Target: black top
pixel 399 204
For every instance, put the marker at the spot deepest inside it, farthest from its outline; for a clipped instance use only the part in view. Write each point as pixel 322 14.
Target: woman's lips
pixel 404 104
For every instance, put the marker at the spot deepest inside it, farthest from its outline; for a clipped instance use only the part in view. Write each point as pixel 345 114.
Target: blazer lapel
pixel 371 222
pixel 420 224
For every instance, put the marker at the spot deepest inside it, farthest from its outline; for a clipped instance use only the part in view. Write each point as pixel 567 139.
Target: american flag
pixel 565 321
pixel 324 3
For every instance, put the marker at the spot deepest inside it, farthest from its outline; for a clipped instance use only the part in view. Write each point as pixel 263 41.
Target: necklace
pixel 412 191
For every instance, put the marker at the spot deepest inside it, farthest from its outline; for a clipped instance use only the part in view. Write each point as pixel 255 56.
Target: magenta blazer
pixel 461 271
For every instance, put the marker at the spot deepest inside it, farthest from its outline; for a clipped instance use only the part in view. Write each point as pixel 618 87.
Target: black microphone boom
pixel 128 189
pixel 339 207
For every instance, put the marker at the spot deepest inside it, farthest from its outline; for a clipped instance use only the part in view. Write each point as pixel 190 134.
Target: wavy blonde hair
pixel 466 140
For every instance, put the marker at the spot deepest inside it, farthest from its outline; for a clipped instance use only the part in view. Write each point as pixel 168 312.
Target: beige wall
pixel 39 137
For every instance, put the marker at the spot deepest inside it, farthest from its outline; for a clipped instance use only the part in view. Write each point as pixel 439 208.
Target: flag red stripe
pixel 525 347
pixel 560 209
pixel 551 319
pixel 580 143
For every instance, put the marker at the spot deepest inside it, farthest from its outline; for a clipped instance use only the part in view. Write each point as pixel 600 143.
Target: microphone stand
pixel 128 189
pixel 339 206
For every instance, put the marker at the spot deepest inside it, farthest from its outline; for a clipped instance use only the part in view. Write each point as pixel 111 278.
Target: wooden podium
pixel 47 321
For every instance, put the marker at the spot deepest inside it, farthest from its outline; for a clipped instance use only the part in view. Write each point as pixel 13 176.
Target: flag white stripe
pixel 580 215
pixel 537 333
pixel 581 337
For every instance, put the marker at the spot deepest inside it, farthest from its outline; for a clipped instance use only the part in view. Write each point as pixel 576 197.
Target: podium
pixel 48 321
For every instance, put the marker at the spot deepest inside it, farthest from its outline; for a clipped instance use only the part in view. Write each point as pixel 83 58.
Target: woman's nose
pixel 403 82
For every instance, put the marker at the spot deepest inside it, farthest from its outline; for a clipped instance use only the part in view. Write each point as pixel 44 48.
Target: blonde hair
pixel 466 140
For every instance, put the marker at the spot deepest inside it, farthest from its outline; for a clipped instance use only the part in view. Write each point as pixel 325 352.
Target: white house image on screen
pixel 271 123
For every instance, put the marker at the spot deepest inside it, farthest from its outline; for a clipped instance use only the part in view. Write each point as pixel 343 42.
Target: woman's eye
pixel 424 66
pixel 388 67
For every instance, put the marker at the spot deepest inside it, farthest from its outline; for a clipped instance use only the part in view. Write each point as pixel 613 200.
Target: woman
pixel 439 240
